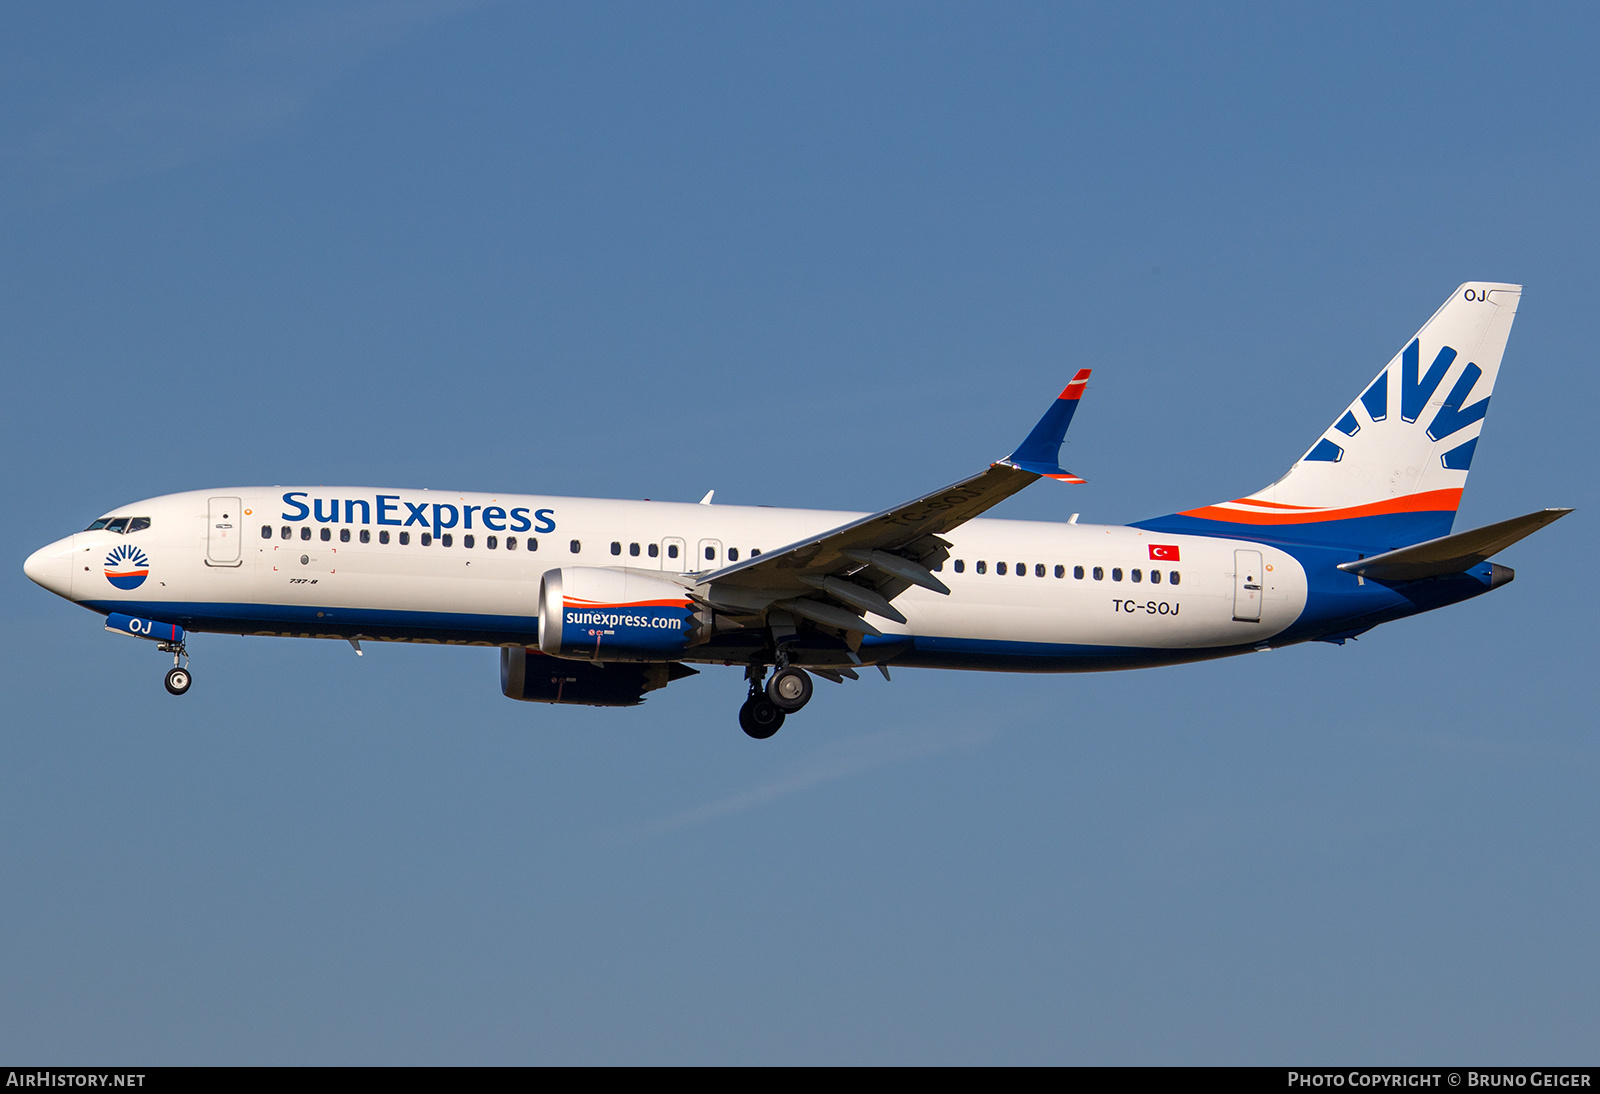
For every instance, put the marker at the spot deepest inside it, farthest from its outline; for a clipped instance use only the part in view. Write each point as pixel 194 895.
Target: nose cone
pixel 51 567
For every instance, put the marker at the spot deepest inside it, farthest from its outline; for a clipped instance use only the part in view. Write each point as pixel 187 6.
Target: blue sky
pixel 814 255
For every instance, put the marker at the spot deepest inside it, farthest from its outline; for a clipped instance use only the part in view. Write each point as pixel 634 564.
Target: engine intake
pixel 592 614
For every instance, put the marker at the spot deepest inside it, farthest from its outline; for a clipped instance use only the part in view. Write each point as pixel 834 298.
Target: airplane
pixel 598 602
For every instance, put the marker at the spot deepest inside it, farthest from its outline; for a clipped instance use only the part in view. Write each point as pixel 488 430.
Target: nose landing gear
pixel 178 677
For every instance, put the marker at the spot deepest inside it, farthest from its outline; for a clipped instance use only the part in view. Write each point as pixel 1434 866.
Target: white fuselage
pixel 312 562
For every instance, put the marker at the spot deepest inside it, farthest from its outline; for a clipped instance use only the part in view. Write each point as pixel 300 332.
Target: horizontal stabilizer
pixel 1451 554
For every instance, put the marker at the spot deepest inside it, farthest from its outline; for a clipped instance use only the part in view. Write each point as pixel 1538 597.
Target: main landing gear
pixel 764 711
pixel 178 677
pixel 789 689
pixel 759 717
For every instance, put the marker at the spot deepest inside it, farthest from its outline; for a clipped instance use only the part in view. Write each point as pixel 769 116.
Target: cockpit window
pixel 120 525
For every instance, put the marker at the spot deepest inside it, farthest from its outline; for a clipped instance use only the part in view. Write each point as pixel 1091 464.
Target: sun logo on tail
pixel 127 567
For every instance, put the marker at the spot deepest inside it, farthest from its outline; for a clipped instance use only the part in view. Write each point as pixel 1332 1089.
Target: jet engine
pixel 533 677
pixel 592 614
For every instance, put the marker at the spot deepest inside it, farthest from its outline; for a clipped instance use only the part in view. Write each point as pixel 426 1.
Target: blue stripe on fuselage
pixel 1369 535
pixel 1336 603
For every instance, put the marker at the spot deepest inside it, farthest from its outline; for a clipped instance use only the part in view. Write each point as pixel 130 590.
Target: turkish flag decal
pixel 1163 552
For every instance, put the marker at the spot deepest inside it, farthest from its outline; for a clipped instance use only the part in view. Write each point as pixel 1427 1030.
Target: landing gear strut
pixel 178 678
pixel 760 717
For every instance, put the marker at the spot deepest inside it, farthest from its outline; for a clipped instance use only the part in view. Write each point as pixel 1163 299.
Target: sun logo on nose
pixel 127 567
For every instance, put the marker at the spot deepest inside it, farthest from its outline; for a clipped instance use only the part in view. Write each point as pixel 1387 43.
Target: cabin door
pixel 1247 585
pixel 224 532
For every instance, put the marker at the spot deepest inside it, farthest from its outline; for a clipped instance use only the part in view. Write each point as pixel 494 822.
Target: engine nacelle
pixel 531 676
pixel 591 614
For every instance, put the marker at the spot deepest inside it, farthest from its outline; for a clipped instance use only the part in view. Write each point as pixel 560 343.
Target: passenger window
pixel 1172 578
pixel 446 539
pixel 383 536
pixel 1061 571
pixel 467 541
pixel 1077 573
pixel 1155 577
pixel 491 542
pixel 672 550
pixel 1116 573
pixel 616 548
pixel 533 543
pixel 366 536
pixel 118 525
pixel 654 550
pixel 305 531
pixel 711 554
pixel 733 554
pixel 344 535
pixel 1038 570
pixel 426 539
pixel 287 531
pixel 327 535
pixel 266 531
pixel 138 524
pixel 754 551
pixel 405 538
pixel 982 567
pixel 633 550
pixel 576 546
pixel 511 543
pixel 1136 575
pixel 1099 573
pixel 961 565
pixel 1000 568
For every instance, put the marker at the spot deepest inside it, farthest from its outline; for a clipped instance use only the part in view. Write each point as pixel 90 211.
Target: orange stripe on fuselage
pixel 1430 501
pixel 574 602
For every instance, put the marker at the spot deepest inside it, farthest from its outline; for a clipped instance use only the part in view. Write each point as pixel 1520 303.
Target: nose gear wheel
pixel 178 677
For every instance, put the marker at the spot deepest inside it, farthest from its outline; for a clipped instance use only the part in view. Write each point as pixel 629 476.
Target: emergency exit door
pixel 673 556
pixel 224 526
pixel 1247 586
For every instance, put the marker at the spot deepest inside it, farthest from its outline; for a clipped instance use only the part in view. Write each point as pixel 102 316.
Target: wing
pixel 834 577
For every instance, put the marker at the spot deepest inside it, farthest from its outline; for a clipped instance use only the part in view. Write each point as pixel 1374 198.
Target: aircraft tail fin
pixel 1390 470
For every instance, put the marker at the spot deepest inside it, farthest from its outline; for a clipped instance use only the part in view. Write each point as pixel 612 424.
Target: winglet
pixel 1040 453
